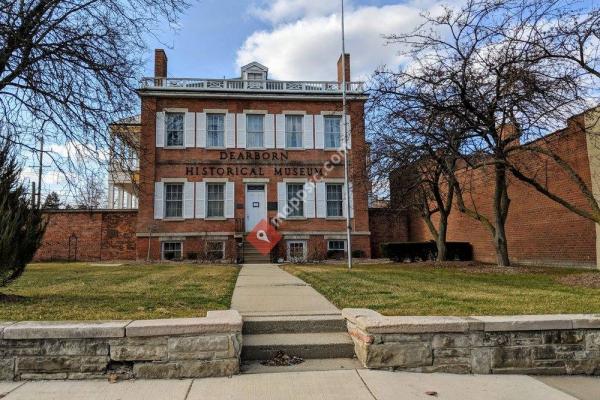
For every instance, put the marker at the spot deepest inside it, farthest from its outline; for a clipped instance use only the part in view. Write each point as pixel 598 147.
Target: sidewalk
pixel 323 385
pixel 265 289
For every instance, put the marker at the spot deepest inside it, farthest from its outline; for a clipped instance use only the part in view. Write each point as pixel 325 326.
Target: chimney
pixel 160 63
pixel 340 68
pixel 511 134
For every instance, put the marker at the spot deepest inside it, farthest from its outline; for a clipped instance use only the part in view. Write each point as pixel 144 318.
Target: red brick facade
pixel 539 230
pixel 235 164
pixel 98 235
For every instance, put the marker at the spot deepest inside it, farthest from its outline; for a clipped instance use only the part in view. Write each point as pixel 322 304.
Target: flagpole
pixel 346 180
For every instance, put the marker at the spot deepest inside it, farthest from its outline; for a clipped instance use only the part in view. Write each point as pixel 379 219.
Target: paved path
pixel 322 385
pixel 265 289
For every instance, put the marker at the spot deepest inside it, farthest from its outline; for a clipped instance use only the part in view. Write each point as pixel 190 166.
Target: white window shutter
pixel 230 131
pixel 160 129
pixel 307 140
pixel 200 200
pixel 280 130
pixel 201 130
pixel 190 129
pixel 319 132
pixel 241 131
pixel 269 131
pixel 159 200
pixel 321 200
pixel 188 200
pixel 351 200
pixel 342 136
pixel 281 199
pixel 230 200
pixel 309 199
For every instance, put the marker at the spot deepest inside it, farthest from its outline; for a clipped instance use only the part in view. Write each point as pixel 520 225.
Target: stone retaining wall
pixel 537 344
pixel 170 348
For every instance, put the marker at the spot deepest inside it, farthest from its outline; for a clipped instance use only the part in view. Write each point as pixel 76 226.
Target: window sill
pixel 336 218
pixel 295 148
pixel 174 219
pixel 174 147
pixel 215 219
pixel 297 218
pixel 214 148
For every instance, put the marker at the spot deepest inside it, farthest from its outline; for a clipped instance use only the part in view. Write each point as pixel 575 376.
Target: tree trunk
pixel 501 204
pixel 440 240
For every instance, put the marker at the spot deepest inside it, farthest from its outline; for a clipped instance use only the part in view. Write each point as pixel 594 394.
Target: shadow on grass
pixel 13 298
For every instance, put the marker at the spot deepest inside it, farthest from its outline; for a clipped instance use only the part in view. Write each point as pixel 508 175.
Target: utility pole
pixel 346 177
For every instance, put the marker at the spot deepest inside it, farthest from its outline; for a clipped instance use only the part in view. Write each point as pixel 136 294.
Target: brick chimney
pixel 160 63
pixel 340 68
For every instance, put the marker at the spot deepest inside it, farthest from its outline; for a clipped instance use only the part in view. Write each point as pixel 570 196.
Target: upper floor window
pixel 335 197
pixel 293 131
pixel 332 131
pixel 255 76
pixel 215 130
pixel 173 200
pixel 255 131
pixel 215 200
pixel 295 199
pixel 174 124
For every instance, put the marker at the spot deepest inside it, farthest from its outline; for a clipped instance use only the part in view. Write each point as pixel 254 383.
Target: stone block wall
pixel 539 344
pixel 152 349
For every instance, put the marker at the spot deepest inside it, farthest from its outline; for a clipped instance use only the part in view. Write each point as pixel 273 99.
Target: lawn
pixel 408 289
pixel 83 292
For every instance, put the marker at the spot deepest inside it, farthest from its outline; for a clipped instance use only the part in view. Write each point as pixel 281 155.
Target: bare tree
pixel 90 194
pixel 71 67
pixel 468 66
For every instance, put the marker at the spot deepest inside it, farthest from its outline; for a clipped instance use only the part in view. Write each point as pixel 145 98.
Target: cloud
pixel 287 10
pixel 309 46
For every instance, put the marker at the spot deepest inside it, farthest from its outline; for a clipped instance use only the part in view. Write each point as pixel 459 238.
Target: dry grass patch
pixel 454 289
pixel 59 291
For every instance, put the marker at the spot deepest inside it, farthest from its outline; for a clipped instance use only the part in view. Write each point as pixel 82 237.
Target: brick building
pixel 219 156
pixel 539 230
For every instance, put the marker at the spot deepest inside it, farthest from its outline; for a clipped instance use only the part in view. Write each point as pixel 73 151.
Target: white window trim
pixel 304 247
pixel 264 134
pixel 335 182
pixel 336 240
pixel 166 133
pixel 216 218
pixel 296 182
pixel 285 132
pixel 162 248
pixel 224 114
pixel 329 148
pixel 168 181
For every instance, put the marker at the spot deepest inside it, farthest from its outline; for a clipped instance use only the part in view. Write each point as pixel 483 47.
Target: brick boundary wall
pixel 150 349
pixel 539 230
pixel 523 344
pixel 101 235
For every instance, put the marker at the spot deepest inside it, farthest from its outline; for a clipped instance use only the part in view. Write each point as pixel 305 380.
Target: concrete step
pixel 328 364
pixel 306 345
pixel 294 324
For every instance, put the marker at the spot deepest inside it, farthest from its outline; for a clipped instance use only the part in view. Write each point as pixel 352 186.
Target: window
pixel 174 125
pixel 295 199
pixel 215 198
pixel 215 130
pixel 255 76
pixel 171 250
pixel 173 200
pixel 334 199
pixel 255 131
pixel 332 132
pixel 334 245
pixel 293 131
pixel 296 250
pixel 215 250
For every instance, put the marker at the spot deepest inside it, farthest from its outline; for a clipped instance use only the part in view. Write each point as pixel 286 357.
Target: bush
pixel 422 251
pixel 336 254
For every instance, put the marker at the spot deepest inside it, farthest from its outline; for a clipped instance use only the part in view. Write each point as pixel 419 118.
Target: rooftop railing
pixel 238 85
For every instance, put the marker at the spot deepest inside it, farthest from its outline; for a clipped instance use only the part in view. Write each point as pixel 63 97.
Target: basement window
pixel 172 251
pixel 215 250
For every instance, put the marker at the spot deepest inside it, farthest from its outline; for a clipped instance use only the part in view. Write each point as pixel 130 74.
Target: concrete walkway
pixel 322 385
pixel 265 289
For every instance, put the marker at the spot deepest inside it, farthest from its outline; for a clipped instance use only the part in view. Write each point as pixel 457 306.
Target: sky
pixel 295 39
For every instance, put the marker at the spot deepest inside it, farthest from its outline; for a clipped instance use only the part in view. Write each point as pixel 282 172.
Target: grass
pixel 83 292
pixel 402 289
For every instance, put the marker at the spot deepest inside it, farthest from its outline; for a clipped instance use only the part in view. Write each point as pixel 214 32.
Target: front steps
pixel 316 337
pixel 252 256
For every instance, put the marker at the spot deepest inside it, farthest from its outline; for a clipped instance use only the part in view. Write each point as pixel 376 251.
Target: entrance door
pixel 256 205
